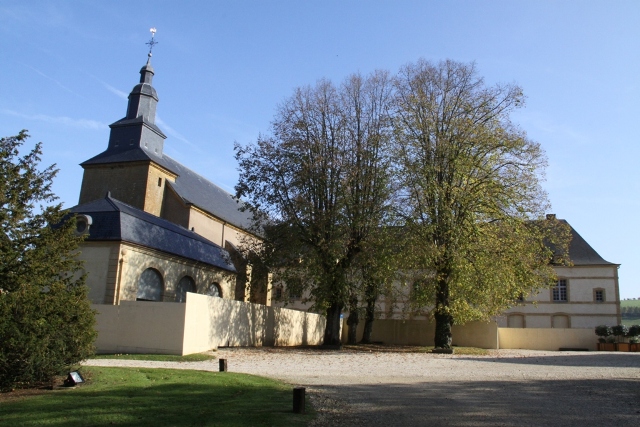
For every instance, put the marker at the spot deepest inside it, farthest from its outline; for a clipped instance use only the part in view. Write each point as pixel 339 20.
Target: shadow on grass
pixel 586 359
pixel 159 397
pixel 495 403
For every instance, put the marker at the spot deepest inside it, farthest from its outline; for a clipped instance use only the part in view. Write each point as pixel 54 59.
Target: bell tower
pixel 132 167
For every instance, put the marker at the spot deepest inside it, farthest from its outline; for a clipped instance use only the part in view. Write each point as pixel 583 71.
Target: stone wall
pixel 114 270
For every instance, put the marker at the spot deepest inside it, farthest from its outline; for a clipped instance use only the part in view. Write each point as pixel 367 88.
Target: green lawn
pixel 630 321
pixel 630 303
pixel 157 397
pixel 198 357
pixel 635 319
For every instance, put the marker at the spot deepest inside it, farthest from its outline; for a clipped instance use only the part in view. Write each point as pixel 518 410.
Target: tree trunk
pixel 444 320
pixel 442 338
pixel 332 330
pixel 352 321
pixel 368 321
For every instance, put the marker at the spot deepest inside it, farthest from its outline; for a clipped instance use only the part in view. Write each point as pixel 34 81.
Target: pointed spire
pixel 137 130
pixel 143 97
pixel 146 72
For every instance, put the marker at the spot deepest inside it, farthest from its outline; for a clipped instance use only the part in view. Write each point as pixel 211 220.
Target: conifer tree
pixel 46 321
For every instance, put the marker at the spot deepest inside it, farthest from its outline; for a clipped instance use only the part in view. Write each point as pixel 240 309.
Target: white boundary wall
pixel 547 338
pixel 421 333
pixel 202 323
pixel 478 334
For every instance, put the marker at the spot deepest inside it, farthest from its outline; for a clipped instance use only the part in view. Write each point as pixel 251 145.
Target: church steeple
pixel 146 72
pixel 133 167
pixel 137 130
pixel 143 99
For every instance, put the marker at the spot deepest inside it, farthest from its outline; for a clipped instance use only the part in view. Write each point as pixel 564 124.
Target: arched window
pixel 150 286
pixel 186 284
pixel 214 290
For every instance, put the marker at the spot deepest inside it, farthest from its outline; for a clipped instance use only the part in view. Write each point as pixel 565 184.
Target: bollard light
pixel 73 378
pixel 298 400
pixel 223 365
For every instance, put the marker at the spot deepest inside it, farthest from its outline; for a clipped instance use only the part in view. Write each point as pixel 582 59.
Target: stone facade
pixel 113 271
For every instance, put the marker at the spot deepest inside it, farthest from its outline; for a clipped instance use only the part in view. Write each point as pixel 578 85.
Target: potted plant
pixel 634 338
pixel 621 331
pixel 610 345
pixel 603 331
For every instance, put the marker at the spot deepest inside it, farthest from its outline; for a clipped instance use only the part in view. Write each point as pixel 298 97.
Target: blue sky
pixel 222 67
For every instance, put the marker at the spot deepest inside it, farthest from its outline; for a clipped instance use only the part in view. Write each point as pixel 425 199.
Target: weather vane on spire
pixel 152 42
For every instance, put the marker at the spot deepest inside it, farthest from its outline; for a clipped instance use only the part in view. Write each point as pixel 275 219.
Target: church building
pixel 154 228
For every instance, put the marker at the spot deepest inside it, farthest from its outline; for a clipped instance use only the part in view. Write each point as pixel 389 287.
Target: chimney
pixel 551 216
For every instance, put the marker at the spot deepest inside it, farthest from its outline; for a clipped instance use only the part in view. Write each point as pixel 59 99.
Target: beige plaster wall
pixel 174 208
pixel 593 321
pixel 238 323
pixel 421 332
pixel 206 226
pixel 140 327
pixel 202 323
pixel 580 307
pixel 581 281
pixel 546 338
pixel 217 230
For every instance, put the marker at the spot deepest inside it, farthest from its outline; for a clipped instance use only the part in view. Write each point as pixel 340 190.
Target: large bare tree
pixel 470 194
pixel 320 181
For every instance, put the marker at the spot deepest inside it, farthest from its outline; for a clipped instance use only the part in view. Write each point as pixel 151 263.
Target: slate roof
pixel 197 190
pixel 191 187
pixel 132 155
pixel 581 253
pixel 116 221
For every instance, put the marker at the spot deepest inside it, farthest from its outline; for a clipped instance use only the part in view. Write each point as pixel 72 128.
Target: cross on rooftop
pixel 152 42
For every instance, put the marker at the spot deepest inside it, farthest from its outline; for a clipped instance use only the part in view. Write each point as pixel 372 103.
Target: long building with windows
pixel 586 295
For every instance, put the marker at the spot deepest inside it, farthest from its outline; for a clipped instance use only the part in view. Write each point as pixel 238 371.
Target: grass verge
pixel 198 357
pixel 630 321
pixel 157 397
pixel 465 351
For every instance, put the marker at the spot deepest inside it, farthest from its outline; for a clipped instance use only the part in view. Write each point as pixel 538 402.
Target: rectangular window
pixel 159 182
pixel 560 291
pixel 598 295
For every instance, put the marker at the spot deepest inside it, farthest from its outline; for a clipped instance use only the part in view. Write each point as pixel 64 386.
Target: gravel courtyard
pixel 506 388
